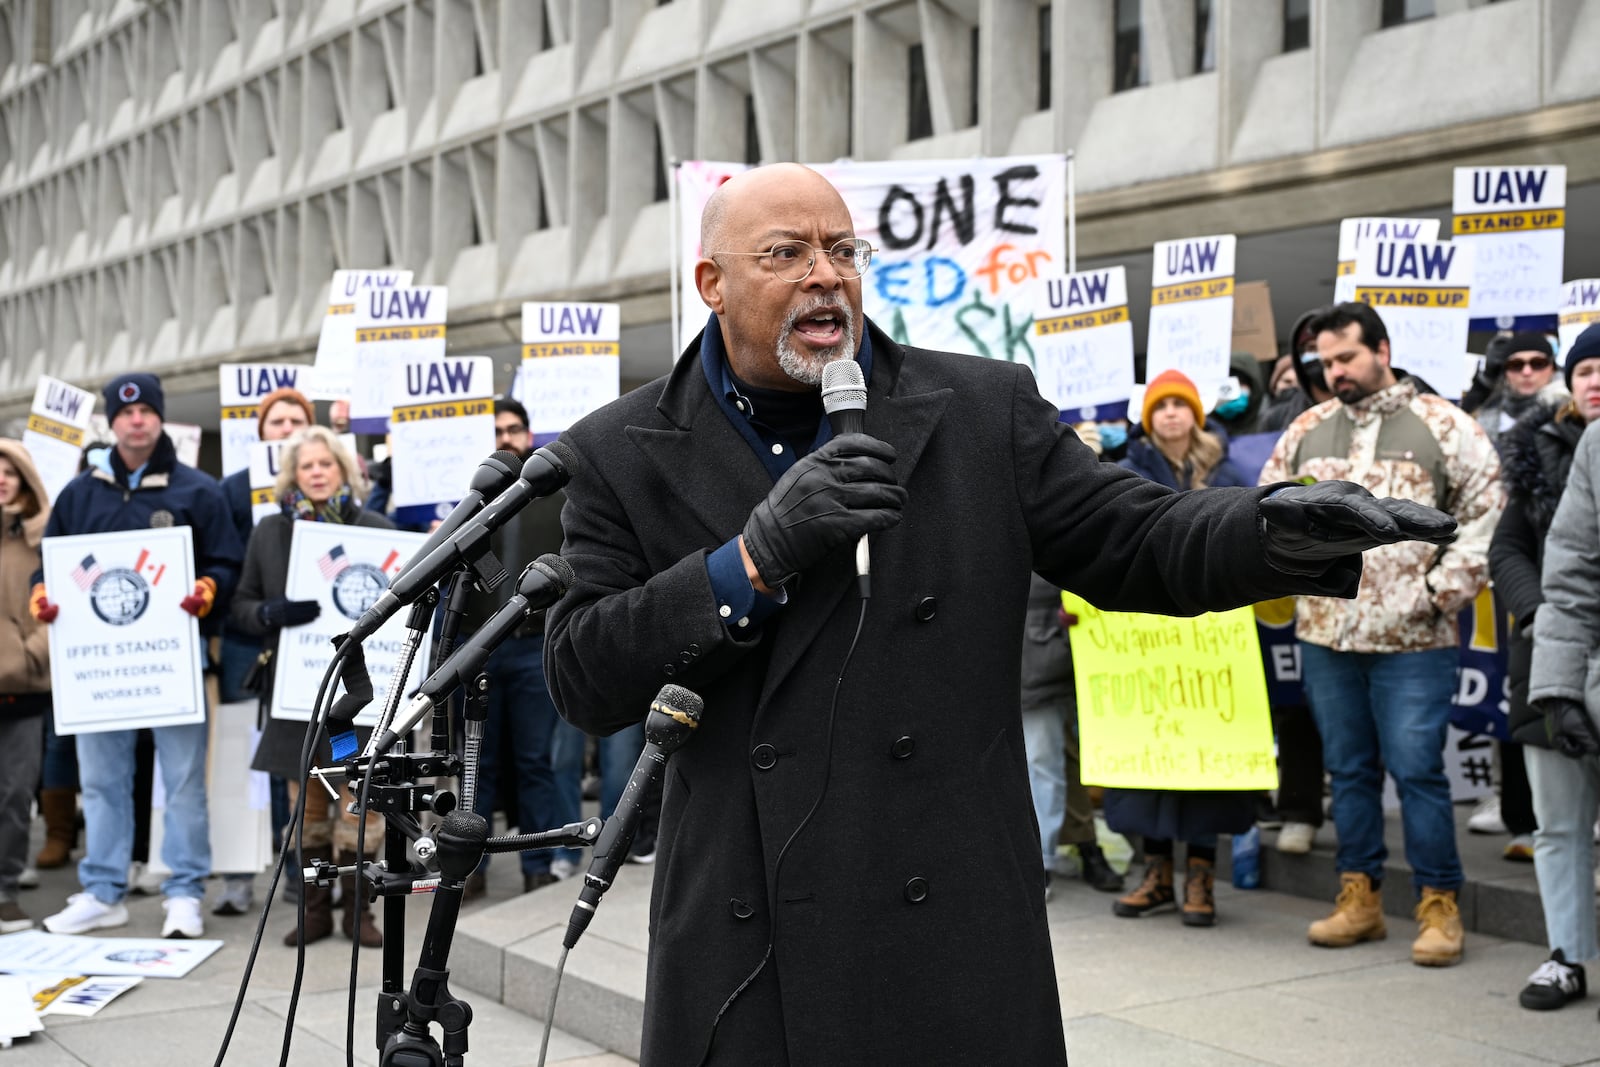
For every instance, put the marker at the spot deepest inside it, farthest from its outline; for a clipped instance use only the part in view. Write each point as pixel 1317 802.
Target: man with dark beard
pixel 848 863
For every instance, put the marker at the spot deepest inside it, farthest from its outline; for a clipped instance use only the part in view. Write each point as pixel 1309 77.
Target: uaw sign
pixel 332 375
pixel 441 428
pixel 57 424
pixel 1514 219
pixel 1352 232
pixel 1580 309
pixel 571 363
pixel 124 655
pixel 345 569
pixel 1191 311
pixel 1083 344
pixel 241 386
pixel 1422 290
pixel 393 327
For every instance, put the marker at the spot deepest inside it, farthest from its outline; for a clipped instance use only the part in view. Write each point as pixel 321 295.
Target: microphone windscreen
pixel 682 704
pixel 556 569
pixel 844 388
pixel 496 472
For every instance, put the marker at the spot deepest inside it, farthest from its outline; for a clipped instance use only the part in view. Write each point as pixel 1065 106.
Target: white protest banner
pixel 1372 228
pixel 1580 308
pixel 1083 344
pixel 56 431
pixel 571 363
pixel 441 428
pixel 393 327
pixel 148 957
pixel 958 241
pixel 1191 311
pixel 242 385
pixel 1422 291
pixel 185 440
pixel 333 372
pixel 1513 220
pixel 345 569
pixel 123 654
pixel 264 468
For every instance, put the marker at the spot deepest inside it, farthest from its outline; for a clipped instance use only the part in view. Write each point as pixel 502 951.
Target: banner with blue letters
pixel 1083 343
pixel 58 425
pixel 1514 219
pixel 393 326
pixel 1580 309
pixel 1353 231
pixel 242 385
pixel 332 375
pixel 1191 312
pixel 441 427
pixel 1423 292
pixel 571 363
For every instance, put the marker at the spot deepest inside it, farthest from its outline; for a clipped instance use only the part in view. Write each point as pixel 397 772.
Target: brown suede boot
pixel 319 903
pixel 1357 915
pixel 1439 933
pixel 60 810
pixel 358 914
pixel 1154 893
pixel 1199 893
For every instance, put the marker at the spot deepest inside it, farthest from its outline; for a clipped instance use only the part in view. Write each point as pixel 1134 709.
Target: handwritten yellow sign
pixel 1169 703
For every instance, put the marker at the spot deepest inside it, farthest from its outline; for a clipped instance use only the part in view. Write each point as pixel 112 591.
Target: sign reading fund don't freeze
pixel 571 362
pixel 345 569
pixel 441 428
pixel 242 385
pixel 123 654
pixel 332 375
pixel 56 426
pixel 1191 311
pixel 393 327
pixel 1422 291
pixel 1083 344
pixel 1514 220
pixel 1352 232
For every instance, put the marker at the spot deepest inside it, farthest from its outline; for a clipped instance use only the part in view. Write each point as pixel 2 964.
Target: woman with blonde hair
pixel 318 481
pixel 1176 446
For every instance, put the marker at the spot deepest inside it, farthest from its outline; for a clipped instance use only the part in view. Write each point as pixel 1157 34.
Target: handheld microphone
pixel 545 581
pixel 844 398
pixel 543 473
pixel 674 714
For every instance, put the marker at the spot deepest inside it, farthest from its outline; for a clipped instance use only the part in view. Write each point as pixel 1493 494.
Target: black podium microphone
pixel 844 398
pixel 674 714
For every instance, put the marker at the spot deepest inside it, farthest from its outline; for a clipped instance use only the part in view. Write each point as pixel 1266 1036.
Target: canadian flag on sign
pixel 149 568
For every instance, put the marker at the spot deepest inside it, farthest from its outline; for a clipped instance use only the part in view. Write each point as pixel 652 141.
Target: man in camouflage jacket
pixel 1380 670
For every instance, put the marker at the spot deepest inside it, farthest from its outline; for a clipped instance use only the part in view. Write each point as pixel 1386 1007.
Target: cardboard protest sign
pixel 393 326
pixel 242 385
pixel 57 425
pixel 441 428
pixel 333 372
pixel 958 242
pixel 345 569
pixel 1580 308
pixel 1422 291
pixel 1083 343
pixel 1191 311
pixel 123 654
pixel 1167 703
pixel 1254 329
pixel 571 363
pixel 1513 219
pixel 1352 232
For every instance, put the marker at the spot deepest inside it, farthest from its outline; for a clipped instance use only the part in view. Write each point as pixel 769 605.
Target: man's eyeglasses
pixel 1533 363
pixel 792 260
pixel 509 431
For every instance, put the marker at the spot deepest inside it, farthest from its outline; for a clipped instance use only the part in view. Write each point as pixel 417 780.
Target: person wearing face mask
pixel 1305 387
pixel 1240 413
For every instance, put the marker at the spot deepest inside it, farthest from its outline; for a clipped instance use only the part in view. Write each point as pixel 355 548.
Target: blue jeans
pixel 1566 795
pixel 522 715
pixel 106 760
pixel 60 769
pixel 1391 711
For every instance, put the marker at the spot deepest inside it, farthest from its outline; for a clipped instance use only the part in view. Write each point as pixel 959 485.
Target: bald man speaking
pixel 848 865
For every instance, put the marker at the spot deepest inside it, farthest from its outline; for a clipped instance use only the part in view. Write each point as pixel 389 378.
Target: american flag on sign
pixel 331 562
pixel 86 572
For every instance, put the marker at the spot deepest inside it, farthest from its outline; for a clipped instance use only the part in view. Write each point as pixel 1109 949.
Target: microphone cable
pixel 550 1012
pixel 777 866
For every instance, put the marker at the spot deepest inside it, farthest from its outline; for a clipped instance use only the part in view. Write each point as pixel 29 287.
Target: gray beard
pixel 807 368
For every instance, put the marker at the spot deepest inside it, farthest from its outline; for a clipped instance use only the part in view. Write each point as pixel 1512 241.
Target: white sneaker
pixel 84 913
pixel 29 878
pixel 563 868
pixel 1485 818
pixel 1296 838
pixel 183 918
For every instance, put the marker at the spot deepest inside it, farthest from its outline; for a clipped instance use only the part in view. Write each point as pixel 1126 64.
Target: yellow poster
pixel 1170 703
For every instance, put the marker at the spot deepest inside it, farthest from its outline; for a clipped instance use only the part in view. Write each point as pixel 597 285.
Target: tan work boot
pixel 1199 896
pixel 1357 915
pixel 1439 933
pixel 60 810
pixel 1154 893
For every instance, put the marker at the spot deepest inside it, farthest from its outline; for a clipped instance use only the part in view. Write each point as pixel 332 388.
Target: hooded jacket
pixel 1399 442
pixel 1247 368
pixel 24 643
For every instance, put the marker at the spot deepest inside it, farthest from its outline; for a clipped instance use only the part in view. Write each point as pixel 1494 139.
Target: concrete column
pixel 1008 67
pixel 880 96
pixel 1082 33
pixel 1249 32
pixel 1169 38
pixel 1336 33
pixel 825 70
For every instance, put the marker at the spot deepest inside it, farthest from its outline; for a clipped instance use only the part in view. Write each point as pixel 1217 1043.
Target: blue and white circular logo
pixel 119 596
pixel 357 588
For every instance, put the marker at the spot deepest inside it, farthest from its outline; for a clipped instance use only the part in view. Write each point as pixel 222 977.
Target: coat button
pixel 694 649
pixel 685 658
pixel 765 757
pixel 927 608
pixel 917 890
pixel 741 909
pixel 669 670
pixel 902 747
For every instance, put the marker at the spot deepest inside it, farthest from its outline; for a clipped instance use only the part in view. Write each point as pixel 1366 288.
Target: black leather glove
pixel 830 498
pixel 1309 525
pixel 280 612
pixel 1569 727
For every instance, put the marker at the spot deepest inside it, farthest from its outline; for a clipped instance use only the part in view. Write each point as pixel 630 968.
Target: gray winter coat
pixel 1566 631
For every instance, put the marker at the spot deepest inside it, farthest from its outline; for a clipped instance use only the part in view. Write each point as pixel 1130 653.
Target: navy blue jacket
pixel 1146 460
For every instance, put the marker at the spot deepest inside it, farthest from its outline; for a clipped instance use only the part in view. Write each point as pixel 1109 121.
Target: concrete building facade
pixel 180 178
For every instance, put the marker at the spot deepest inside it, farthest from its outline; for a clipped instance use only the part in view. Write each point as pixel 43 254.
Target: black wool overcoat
pixel 907 918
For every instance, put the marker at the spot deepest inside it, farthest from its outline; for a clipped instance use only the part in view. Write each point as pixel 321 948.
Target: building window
pixel 1129 66
pixel 1044 58
pixel 1398 12
pixel 919 117
pixel 1296 25
pixel 972 97
pixel 1205 36
pixel 752 133
pixel 661 190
